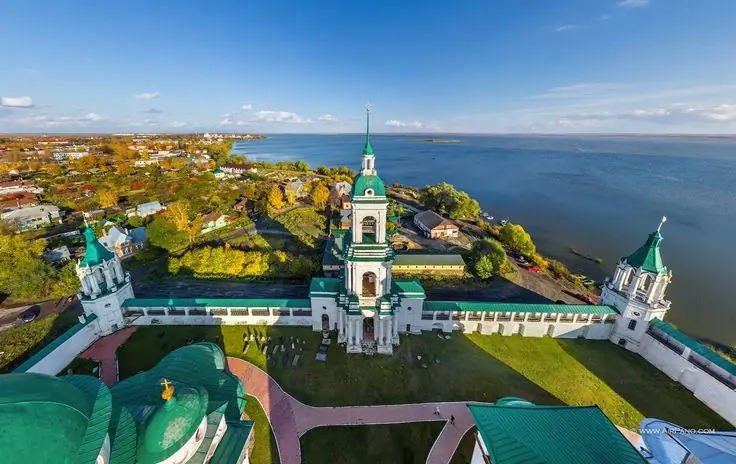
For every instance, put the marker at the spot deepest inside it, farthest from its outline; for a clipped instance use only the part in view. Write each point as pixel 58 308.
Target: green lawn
pixel 473 367
pixel 264 449
pixel 404 443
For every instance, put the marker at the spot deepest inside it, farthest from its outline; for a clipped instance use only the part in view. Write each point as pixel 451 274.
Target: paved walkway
pixel 105 350
pixel 290 419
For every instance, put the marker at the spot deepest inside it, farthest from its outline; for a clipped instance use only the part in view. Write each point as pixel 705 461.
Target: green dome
pixel 363 183
pixel 95 252
pixel 172 424
pixel 44 418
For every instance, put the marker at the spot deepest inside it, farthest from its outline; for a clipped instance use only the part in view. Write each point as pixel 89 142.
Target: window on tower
pixel 368 225
pixel 632 324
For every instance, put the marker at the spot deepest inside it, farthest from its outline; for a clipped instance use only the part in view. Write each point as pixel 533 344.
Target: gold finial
pixel 664 219
pixel 368 107
pixel 168 390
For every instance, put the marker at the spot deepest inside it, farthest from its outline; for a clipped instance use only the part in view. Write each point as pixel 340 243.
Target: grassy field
pixel 405 443
pixel 472 367
pixel 264 448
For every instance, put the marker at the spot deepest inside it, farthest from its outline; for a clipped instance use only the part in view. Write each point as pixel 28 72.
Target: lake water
pixel 601 196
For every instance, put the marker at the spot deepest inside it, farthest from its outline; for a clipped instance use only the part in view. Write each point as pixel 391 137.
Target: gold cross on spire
pixel 368 107
pixel 664 219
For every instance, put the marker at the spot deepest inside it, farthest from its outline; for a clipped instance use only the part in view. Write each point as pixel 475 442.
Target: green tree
pixel 517 239
pixel 164 234
pixel 320 195
pixel 445 199
pixel 301 166
pixel 488 258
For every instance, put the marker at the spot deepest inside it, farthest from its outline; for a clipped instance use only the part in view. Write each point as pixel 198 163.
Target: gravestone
pixel 295 361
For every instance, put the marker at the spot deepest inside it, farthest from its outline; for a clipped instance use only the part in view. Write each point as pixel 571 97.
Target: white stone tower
pixel 637 292
pixel 105 286
pixel 368 258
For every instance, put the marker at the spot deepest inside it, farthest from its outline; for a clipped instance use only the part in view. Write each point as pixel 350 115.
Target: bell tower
pixel 105 286
pixel 637 291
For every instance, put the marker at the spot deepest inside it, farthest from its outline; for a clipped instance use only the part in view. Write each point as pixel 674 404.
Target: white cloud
pixel 566 27
pixel 46 121
pixel 328 118
pixel 178 124
pixel 152 111
pixel 633 3
pixel 16 102
pixel 246 107
pixel 147 96
pixel 605 17
pixel 280 117
pixel 676 114
pixel 398 123
pixel 228 121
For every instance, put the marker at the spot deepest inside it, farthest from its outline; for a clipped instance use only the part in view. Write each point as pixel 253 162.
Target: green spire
pixel 368 149
pixel 648 257
pixel 95 252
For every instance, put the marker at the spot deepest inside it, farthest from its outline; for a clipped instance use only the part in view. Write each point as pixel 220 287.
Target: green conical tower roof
pixel 648 257
pixel 95 252
pixel 368 149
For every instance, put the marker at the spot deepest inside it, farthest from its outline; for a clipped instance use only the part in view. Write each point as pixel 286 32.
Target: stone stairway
pixel 369 347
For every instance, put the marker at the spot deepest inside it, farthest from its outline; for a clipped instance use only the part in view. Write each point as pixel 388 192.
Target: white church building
pixel 369 311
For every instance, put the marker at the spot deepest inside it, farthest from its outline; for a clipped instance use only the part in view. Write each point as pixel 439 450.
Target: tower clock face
pixel 636 313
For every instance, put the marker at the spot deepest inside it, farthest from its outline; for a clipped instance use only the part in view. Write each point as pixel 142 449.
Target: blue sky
pixel 481 66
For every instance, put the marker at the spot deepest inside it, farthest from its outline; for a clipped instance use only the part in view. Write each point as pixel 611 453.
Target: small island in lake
pixel 435 140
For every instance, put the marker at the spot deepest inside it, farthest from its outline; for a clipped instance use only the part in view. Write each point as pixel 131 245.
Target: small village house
pixel 435 226
pixel 145 209
pixel 213 221
pixel 123 242
pixel 32 217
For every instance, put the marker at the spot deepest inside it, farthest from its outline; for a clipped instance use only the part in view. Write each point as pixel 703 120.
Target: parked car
pixel 560 302
pixel 30 314
pixel 534 269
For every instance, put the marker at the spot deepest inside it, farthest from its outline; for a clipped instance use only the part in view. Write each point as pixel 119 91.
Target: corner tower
pixel 105 286
pixel 637 291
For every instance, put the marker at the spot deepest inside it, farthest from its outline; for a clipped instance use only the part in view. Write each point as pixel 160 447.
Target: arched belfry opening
pixel 368 229
pixel 370 282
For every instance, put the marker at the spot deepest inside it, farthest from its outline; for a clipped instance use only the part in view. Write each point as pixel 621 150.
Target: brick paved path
pixel 104 350
pixel 290 419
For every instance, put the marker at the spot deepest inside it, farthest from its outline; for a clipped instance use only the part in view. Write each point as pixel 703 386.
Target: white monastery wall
pixel 65 353
pixel 707 389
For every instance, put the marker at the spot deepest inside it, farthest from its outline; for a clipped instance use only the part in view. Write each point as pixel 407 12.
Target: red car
pixel 534 268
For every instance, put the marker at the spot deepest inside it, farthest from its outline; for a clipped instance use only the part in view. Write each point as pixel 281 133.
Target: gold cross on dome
pixel 368 107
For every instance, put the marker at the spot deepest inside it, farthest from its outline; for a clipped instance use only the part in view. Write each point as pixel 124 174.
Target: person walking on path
pixel 437 411
pixel 452 419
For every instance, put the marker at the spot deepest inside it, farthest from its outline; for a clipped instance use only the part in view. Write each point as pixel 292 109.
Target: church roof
pixel 517 431
pixel 67 419
pixel 365 182
pixel 95 253
pixel 52 419
pixel 648 257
